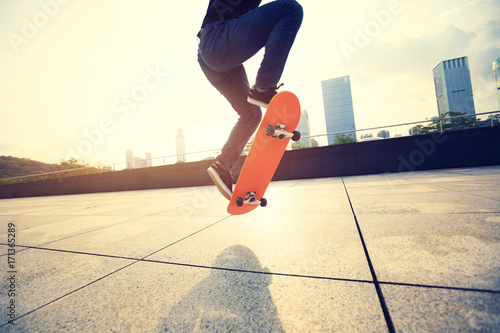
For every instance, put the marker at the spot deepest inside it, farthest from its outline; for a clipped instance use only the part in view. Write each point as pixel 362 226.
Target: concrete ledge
pixel 467 148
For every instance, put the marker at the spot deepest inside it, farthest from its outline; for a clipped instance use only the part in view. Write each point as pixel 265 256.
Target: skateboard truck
pixel 250 199
pixel 279 132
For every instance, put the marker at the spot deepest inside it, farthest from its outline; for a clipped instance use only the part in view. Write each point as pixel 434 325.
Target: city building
pixel 339 111
pixel 366 136
pixel 305 130
pixel 496 73
pixel 453 86
pixel 180 144
pixel 129 158
pixel 383 134
pixel 139 163
pixel 136 162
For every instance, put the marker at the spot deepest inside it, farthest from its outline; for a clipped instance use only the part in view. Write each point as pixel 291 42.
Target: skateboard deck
pixel 271 139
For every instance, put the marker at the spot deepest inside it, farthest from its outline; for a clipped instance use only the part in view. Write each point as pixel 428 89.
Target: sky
pixel 90 79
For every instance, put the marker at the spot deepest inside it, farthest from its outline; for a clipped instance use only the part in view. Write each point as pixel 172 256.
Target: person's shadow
pixel 228 301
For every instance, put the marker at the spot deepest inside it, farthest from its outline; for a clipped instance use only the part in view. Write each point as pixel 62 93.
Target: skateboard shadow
pixel 228 300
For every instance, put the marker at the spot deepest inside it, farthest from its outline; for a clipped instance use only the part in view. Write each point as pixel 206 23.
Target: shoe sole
pixel 257 102
pixel 218 181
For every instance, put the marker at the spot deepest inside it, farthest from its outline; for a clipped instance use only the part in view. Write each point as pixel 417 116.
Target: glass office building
pixel 496 73
pixel 339 111
pixel 304 128
pixel 453 86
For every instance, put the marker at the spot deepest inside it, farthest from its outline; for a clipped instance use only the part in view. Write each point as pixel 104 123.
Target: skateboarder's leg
pixel 273 26
pixel 235 89
pixel 233 85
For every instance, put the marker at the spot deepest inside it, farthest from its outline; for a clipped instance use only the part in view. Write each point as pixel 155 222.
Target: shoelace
pixel 281 85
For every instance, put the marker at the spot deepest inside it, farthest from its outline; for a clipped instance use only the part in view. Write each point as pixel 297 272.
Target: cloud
pixel 413 54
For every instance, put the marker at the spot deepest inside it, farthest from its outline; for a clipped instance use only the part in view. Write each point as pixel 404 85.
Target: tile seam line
pixel 134 261
pixel 39 247
pixel 186 237
pixel 385 309
pixel 171 263
pixel 129 220
pixel 68 294
pixel 401 284
pixel 415 285
pixel 451 190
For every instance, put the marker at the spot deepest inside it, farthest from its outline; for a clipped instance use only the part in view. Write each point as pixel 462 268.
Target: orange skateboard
pixel 271 139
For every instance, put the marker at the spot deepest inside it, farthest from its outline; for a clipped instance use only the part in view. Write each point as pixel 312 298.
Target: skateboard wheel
pixel 263 202
pixel 296 136
pixel 270 130
pixel 239 201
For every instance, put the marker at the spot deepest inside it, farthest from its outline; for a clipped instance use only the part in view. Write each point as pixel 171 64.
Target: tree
pixel 72 163
pixel 301 144
pixel 449 122
pixel 344 138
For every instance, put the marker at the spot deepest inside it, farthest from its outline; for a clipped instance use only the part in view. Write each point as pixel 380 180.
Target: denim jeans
pixel 226 45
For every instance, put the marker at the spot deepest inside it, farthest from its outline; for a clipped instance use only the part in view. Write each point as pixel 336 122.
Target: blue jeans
pixel 226 45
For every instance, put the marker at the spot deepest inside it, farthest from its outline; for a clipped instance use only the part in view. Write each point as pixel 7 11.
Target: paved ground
pixel 405 252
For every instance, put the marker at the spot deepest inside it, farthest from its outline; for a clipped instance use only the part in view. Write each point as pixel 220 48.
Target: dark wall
pixel 177 175
pixel 467 148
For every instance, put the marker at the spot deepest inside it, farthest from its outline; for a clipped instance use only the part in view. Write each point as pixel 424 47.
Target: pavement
pixel 407 252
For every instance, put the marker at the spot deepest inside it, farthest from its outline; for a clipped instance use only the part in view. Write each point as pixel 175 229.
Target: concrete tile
pixel 435 228
pixel 376 181
pixel 440 310
pixel 54 206
pixel 291 204
pixel 306 305
pixel 304 244
pixel 24 222
pixel 199 201
pixel 460 250
pixel 493 194
pixel 157 297
pixel 430 202
pixel 116 203
pixel 43 276
pixel 137 237
pixel 41 231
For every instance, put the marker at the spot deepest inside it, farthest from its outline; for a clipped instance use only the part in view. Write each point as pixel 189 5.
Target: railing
pixel 492 120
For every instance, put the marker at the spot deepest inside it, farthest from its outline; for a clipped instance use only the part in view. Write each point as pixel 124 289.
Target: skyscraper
pixel 180 146
pixel 304 129
pixel 129 156
pixel 453 86
pixel 496 73
pixel 339 111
